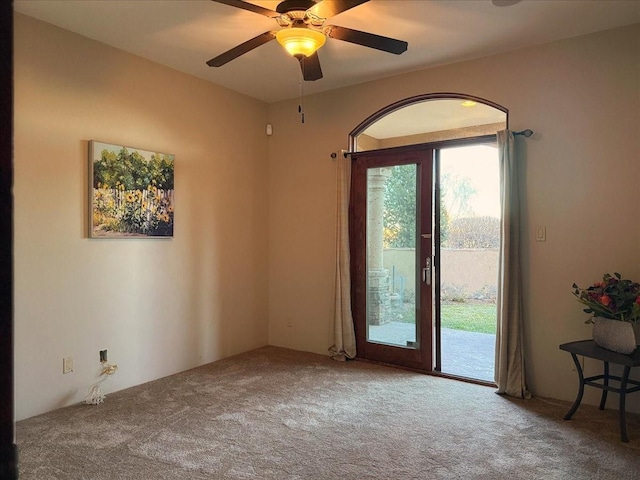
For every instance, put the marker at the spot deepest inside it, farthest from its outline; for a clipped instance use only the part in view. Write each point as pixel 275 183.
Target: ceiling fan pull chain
pixel 301 82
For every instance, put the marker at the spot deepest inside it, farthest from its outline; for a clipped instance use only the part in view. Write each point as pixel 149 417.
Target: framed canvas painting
pixel 131 192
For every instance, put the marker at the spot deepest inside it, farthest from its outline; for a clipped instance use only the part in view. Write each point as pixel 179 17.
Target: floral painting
pixel 131 192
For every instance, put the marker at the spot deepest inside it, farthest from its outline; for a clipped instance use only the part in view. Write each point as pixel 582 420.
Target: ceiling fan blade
pixel 329 8
pixel 241 49
pixel 310 66
pixel 249 6
pixel 370 40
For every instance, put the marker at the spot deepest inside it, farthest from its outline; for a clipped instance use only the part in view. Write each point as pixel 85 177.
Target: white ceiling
pixel 185 34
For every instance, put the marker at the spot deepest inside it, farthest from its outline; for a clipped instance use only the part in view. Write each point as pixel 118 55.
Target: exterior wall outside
pixel 466 132
pixel 469 272
pixel 365 142
pixel 158 306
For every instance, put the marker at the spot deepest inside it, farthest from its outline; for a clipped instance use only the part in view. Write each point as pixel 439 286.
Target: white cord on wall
pixel 95 396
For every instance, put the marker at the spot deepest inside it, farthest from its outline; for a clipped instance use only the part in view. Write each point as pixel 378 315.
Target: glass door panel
pixel 469 248
pixel 392 195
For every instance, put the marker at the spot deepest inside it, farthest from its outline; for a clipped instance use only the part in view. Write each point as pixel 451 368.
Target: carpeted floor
pixel 278 414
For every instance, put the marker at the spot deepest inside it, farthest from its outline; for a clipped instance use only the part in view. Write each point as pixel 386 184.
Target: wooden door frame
pixel 8 449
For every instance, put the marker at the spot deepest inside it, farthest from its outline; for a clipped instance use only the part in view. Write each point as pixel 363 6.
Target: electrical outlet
pixel 103 355
pixel 67 365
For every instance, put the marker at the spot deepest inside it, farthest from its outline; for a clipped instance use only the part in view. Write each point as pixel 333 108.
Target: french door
pixel 424 238
pixel 392 298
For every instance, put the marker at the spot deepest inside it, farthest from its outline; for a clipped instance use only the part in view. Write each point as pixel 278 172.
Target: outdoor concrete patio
pixel 467 354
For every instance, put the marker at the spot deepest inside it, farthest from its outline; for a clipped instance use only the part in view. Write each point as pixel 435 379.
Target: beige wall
pixel 158 306
pixel 579 178
pixel 470 271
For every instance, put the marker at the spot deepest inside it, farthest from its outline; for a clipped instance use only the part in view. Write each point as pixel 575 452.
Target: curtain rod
pixel 525 133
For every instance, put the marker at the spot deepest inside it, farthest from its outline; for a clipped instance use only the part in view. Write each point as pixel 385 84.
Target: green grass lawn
pixel 469 317
pixel 461 316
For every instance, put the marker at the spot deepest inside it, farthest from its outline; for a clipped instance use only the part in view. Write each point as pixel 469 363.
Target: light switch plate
pixel 67 365
pixel 541 234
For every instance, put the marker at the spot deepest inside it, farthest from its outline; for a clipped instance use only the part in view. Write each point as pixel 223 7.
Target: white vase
pixel 617 336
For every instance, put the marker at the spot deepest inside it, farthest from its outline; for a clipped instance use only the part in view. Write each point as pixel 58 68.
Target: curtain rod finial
pixel 527 133
pixel 345 154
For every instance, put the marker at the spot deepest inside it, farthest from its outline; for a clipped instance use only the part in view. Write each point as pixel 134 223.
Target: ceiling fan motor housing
pixel 294 6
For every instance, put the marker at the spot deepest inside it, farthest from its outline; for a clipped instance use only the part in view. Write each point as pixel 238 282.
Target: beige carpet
pixel 279 414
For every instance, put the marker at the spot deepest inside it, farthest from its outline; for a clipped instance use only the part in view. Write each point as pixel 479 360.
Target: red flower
pixel 614 297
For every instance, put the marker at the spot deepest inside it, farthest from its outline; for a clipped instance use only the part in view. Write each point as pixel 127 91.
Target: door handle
pixel 426 271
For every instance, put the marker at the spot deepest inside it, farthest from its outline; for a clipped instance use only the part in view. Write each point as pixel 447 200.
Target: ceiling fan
pixel 302 31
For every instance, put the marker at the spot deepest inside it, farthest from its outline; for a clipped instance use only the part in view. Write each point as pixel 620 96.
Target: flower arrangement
pixel 614 298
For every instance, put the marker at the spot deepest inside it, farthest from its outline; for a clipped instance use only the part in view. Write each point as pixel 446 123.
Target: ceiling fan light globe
pixel 300 41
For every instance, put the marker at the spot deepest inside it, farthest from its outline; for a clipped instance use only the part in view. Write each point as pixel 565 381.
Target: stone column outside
pixel 378 295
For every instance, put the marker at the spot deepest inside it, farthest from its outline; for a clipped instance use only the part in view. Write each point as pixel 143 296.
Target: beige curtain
pixel 510 368
pixel 343 332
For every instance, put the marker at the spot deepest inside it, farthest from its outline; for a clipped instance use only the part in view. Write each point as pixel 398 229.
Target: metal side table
pixel 587 348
